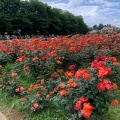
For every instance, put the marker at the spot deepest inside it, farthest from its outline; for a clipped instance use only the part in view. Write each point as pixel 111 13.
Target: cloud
pixel 74 3
pixel 110 11
pixel 97 1
pixel 50 1
pixel 77 9
pixel 105 3
pixel 93 11
pixel 116 22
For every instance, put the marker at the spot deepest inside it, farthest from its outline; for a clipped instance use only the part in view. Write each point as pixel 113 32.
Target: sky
pixel 93 11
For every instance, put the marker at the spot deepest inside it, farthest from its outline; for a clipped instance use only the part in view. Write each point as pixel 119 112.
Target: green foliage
pixel 4 58
pixel 99 99
pixel 115 73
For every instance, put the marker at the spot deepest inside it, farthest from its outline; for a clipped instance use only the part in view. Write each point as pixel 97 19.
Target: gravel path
pixel 2 117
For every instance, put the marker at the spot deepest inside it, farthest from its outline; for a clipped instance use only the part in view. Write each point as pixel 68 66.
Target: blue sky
pixel 93 11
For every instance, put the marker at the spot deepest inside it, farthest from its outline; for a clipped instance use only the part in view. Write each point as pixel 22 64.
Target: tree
pixel 100 26
pixel 10 6
pixel 34 16
pixel 5 23
pixel 95 27
pixel 20 21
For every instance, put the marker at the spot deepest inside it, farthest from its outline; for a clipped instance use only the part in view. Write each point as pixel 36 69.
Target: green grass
pixel 114 111
pixel 8 104
pixel 12 102
pixel 49 115
pixel 25 79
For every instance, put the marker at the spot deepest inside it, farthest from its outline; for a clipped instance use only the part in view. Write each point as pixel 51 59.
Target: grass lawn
pixel 114 111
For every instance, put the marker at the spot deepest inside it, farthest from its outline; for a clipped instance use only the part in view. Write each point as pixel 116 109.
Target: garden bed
pixel 70 77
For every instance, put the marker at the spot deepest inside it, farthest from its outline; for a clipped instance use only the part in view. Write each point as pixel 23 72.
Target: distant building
pixel 107 29
pixel 94 31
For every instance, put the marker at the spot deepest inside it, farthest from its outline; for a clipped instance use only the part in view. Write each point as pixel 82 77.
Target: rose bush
pixel 87 94
pixel 78 75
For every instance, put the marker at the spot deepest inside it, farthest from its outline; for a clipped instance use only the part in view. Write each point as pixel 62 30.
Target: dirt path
pixel 2 117
pixel 13 115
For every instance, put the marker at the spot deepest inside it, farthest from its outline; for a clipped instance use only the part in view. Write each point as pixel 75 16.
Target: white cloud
pixel 116 22
pixel 74 3
pixel 97 1
pixel 62 6
pixel 50 1
pixel 78 10
pixel 105 3
pixel 110 11
pixel 93 11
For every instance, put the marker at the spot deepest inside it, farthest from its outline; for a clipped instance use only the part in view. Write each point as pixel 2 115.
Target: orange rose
pixel 42 88
pixel 59 62
pixel 114 102
pixel 102 72
pixel 26 68
pixel 36 105
pixel 68 74
pixel 63 92
pixel 86 113
pixel 22 99
pixel 20 59
pixel 35 86
pixel 14 74
pixel 83 99
pixel 56 89
pixel 22 88
pixel 34 59
pixel 47 96
pixel 79 73
pixel 62 85
pixel 30 89
pixel 86 76
pixel 115 86
pixel 74 85
pixel 17 89
pixel 87 110
pixel 60 70
pixel 38 95
pixel 51 93
pixel 70 81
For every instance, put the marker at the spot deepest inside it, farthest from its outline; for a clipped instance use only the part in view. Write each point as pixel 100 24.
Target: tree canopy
pixel 33 17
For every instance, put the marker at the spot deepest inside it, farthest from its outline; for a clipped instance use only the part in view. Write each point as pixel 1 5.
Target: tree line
pixel 101 26
pixel 35 17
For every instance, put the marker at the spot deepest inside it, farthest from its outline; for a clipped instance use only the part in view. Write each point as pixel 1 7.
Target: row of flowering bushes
pixel 77 74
